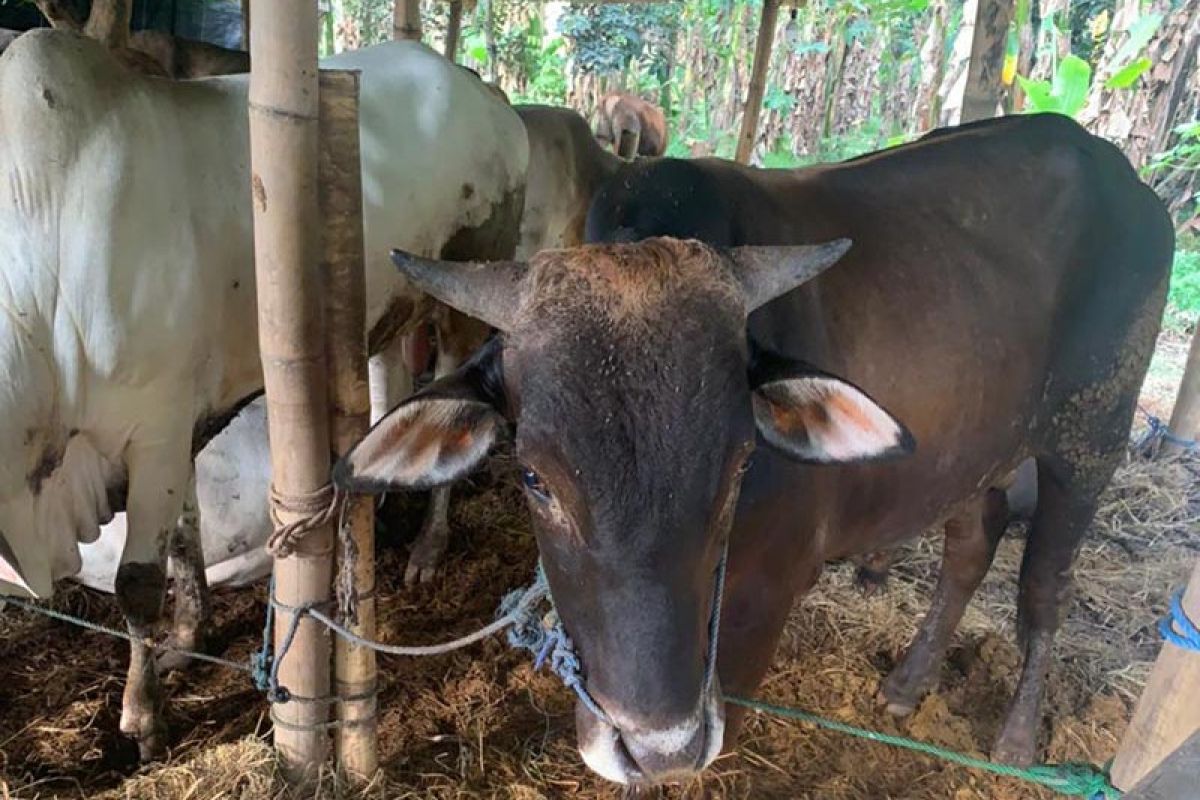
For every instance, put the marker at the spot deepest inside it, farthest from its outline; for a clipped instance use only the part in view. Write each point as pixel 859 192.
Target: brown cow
pixel 1001 302
pixel 641 124
pixel 183 58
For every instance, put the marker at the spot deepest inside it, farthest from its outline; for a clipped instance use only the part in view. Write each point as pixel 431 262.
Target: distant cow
pixel 641 125
pixel 1000 301
pixel 183 58
pixel 129 324
pixel 566 167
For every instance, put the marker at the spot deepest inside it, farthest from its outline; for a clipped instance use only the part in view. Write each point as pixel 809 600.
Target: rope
pixel 159 647
pixel 1177 629
pixel 312 511
pixel 1070 779
pixel 1160 430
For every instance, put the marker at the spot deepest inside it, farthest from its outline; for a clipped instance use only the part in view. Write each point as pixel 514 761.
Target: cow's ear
pixel 433 438
pixel 10 568
pixel 818 418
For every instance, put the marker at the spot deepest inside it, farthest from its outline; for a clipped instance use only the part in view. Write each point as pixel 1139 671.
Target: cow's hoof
pixel 898 702
pixel 870 582
pixel 152 745
pixel 415 574
pixel 1014 750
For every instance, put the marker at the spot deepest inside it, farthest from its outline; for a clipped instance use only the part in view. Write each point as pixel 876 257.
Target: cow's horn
pixel 768 272
pixel 486 290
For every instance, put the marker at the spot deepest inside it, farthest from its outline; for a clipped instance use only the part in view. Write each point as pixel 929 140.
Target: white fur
pixel 127 306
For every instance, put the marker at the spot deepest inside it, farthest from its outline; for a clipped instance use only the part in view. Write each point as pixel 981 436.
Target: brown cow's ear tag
pixel 10 568
pixel 821 419
pixel 425 442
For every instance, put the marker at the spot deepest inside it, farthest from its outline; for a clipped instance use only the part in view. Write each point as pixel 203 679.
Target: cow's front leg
pixel 457 337
pixel 192 607
pixel 158 480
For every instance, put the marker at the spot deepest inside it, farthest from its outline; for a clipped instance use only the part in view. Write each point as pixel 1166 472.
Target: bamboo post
pixel 453 28
pixel 345 292
pixel 984 84
pixel 1185 419
pixel 758 80
pixel 1169 709
pixel 283 157
pixel 406 20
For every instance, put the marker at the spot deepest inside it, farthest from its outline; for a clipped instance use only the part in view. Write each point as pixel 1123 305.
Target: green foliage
pixel 1067 94
pixel 606 39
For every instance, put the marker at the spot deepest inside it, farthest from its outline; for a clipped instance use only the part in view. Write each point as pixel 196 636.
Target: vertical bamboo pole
pixel 758 80
pixel 1169 709
pixel 453 29
pixel 1185 419
pixel 406 20
pixel 345 292
pixel 283 157
pixel 984 84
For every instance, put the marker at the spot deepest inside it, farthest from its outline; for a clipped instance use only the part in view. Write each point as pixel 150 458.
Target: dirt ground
pixel 482 724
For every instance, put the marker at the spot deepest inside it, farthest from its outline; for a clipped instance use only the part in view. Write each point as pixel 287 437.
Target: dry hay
pixel 481 724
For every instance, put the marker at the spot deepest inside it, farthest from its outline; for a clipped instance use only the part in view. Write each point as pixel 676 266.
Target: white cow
pixel 127 306
pixel 566 165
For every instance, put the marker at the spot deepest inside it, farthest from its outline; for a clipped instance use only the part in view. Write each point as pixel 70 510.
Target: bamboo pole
pixel 758 80
pixel 1185 418
pixel 453 29
pixel 340 194
pixel 984 85
pixel 283 157
pixel 1168 711
pixel 406 20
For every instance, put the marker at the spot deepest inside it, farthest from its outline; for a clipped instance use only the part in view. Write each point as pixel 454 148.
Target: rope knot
pixel 311 511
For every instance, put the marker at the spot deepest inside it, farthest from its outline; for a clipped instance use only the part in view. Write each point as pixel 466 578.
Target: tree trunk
pixel 406 20
pixel 453 29
pixel 758 80
pixel 933 67
pixel 283 156
pixel 984 87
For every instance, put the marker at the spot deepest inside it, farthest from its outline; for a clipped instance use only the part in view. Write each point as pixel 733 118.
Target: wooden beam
pixel 406 20
pixel 453 29
pixel 1173 779
pixel 758 80
pixel 345 293
pixel 283 158
pixel 1185 418
pixel 984 86
pixel 1169 709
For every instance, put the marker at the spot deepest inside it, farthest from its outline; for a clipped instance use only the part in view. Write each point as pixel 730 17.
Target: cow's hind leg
pixel 457 337
pixel 970 544
pixel 192 607
pixel 1067 501
pixel 158 480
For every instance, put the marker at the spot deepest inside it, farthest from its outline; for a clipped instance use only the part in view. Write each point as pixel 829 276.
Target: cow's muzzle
pixel 628 753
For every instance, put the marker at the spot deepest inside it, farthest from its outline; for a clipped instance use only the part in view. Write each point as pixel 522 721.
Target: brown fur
pixel 619 112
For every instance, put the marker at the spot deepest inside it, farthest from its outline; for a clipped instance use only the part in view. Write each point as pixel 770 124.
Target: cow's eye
pixel 535 486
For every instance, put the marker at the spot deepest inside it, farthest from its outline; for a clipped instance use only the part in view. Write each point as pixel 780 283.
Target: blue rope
pixel 1177 629
pixel 1160 430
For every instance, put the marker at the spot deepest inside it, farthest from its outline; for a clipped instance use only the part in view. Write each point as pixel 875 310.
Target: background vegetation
pixel 849 76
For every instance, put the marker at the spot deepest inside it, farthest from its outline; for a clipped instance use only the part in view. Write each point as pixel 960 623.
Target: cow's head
pixel 636 401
